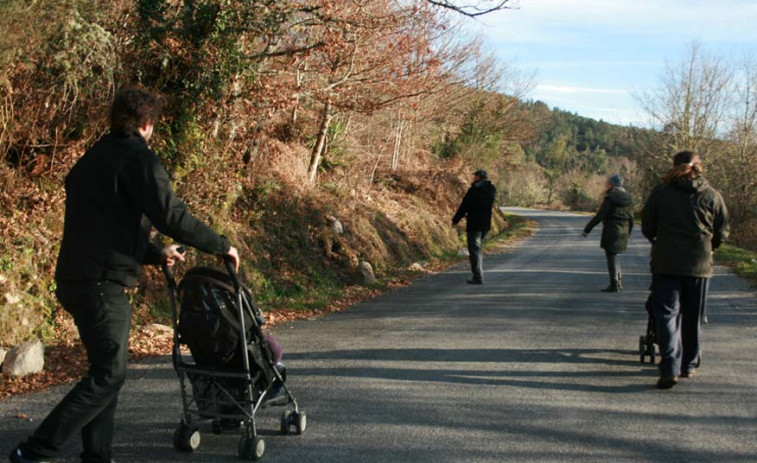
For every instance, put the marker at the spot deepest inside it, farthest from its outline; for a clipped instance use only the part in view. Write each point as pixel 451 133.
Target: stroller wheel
pixel 186 438
pixel 251 448
pixel 300 422
pixel 286 421
pixel 642 348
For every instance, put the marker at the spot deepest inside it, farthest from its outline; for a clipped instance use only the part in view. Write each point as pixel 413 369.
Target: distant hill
pixel 569 141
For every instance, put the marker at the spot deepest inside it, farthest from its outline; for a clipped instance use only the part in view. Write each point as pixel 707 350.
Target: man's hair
pixel 133 108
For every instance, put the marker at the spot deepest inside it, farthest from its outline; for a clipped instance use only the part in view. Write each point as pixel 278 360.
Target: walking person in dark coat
pixel 114 195
pixel 685 219
pixel 616 215
pixel 476 207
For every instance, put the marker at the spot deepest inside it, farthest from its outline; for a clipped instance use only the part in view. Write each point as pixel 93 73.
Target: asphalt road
pixel 537 365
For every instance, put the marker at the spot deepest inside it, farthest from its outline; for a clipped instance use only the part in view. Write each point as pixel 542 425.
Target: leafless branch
pixel 475 9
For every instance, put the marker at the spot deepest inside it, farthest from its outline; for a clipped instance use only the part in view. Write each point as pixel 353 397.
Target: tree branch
pixel 477 9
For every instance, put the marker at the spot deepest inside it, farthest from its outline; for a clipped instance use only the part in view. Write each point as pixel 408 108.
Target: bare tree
pixel 736 162
pixel 689 106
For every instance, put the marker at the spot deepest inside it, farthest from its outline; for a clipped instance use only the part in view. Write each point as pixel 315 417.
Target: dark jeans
pixel 613 267
pixel 102 314
pixel 677 303
pixel 475 240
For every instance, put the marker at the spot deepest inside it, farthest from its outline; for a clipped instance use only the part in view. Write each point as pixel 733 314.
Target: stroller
pixel 232 374
pixel 647 341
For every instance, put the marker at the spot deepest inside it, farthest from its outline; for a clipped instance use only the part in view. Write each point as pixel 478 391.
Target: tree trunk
pixel 397 144
pixel 320 142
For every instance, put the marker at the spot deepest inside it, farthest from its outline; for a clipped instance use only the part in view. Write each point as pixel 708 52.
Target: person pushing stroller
pixel 115 194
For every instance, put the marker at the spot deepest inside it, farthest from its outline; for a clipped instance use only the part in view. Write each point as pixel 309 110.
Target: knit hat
pixel 615 180
pixel 480 173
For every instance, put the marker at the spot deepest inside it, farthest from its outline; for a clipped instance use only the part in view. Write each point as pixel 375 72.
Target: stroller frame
pixel 228 397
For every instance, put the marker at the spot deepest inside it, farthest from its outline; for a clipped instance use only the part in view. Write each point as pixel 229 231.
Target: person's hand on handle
pixel 172 254
pixel 233 254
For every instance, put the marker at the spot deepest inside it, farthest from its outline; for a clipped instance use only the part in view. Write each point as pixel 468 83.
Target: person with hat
pixel 476 207
pixel 685 219
pixel 616 215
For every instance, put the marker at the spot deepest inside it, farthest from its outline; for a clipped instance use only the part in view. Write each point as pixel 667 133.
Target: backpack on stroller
pixel 232 373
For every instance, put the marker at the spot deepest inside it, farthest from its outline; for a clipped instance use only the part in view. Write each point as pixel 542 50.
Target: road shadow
pixel 555 356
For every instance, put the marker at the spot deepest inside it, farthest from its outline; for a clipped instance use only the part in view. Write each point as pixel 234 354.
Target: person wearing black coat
pixel 616 215
pixel 685 219
pixel 476 207
pixel 115 194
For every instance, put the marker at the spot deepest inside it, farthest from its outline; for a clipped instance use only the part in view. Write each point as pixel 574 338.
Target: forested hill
pixel 568 140
pixel 567 159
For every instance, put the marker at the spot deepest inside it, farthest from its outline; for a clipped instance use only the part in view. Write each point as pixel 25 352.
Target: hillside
pixel 269 135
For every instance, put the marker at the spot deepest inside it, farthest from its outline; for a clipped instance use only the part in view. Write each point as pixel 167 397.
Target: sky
pixel 591 56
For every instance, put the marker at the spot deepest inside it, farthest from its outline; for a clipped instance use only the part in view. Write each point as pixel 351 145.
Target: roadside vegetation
pixel 742 261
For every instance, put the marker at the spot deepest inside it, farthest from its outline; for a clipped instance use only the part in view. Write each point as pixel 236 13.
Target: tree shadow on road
pixel 559 378
pixel 588 356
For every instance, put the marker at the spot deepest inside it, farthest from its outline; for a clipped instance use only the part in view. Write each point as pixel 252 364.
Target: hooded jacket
pixel 476 207
pixel 616 215
pixel 685 222
pixel 114 195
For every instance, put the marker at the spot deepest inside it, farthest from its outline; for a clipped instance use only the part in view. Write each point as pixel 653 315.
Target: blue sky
pixel 590 56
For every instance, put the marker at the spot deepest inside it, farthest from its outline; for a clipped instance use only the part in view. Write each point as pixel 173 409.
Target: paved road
pixel 535 366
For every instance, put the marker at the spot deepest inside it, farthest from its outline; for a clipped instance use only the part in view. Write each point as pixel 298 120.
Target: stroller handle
pixel 168 273
pixel 229 263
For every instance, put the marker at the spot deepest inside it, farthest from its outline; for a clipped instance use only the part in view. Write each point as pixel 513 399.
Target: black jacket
pixel 684 222
pixel 616 215
pixel 477 207
pixel 114 195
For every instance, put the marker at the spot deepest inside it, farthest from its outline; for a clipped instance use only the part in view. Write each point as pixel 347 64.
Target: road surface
pixel 537 365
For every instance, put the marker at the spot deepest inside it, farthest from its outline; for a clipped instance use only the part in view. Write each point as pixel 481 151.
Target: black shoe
pixel 613 288
pixel 18 456
pixel 474 281
pixel 666 382
pixel 688 373
pixel 276 397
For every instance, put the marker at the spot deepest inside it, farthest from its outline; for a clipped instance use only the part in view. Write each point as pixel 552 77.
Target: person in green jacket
pixel 616 215
pixel 685 219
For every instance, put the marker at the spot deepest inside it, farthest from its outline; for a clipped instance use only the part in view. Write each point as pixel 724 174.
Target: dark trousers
pixel 677 303
pixel 102 314
pixel 475 241
pixel 613 267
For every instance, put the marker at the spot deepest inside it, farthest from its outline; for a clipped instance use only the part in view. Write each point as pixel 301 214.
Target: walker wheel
pixel 186 438
pixel 251 448
pixel 300 422
pixel 286 421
